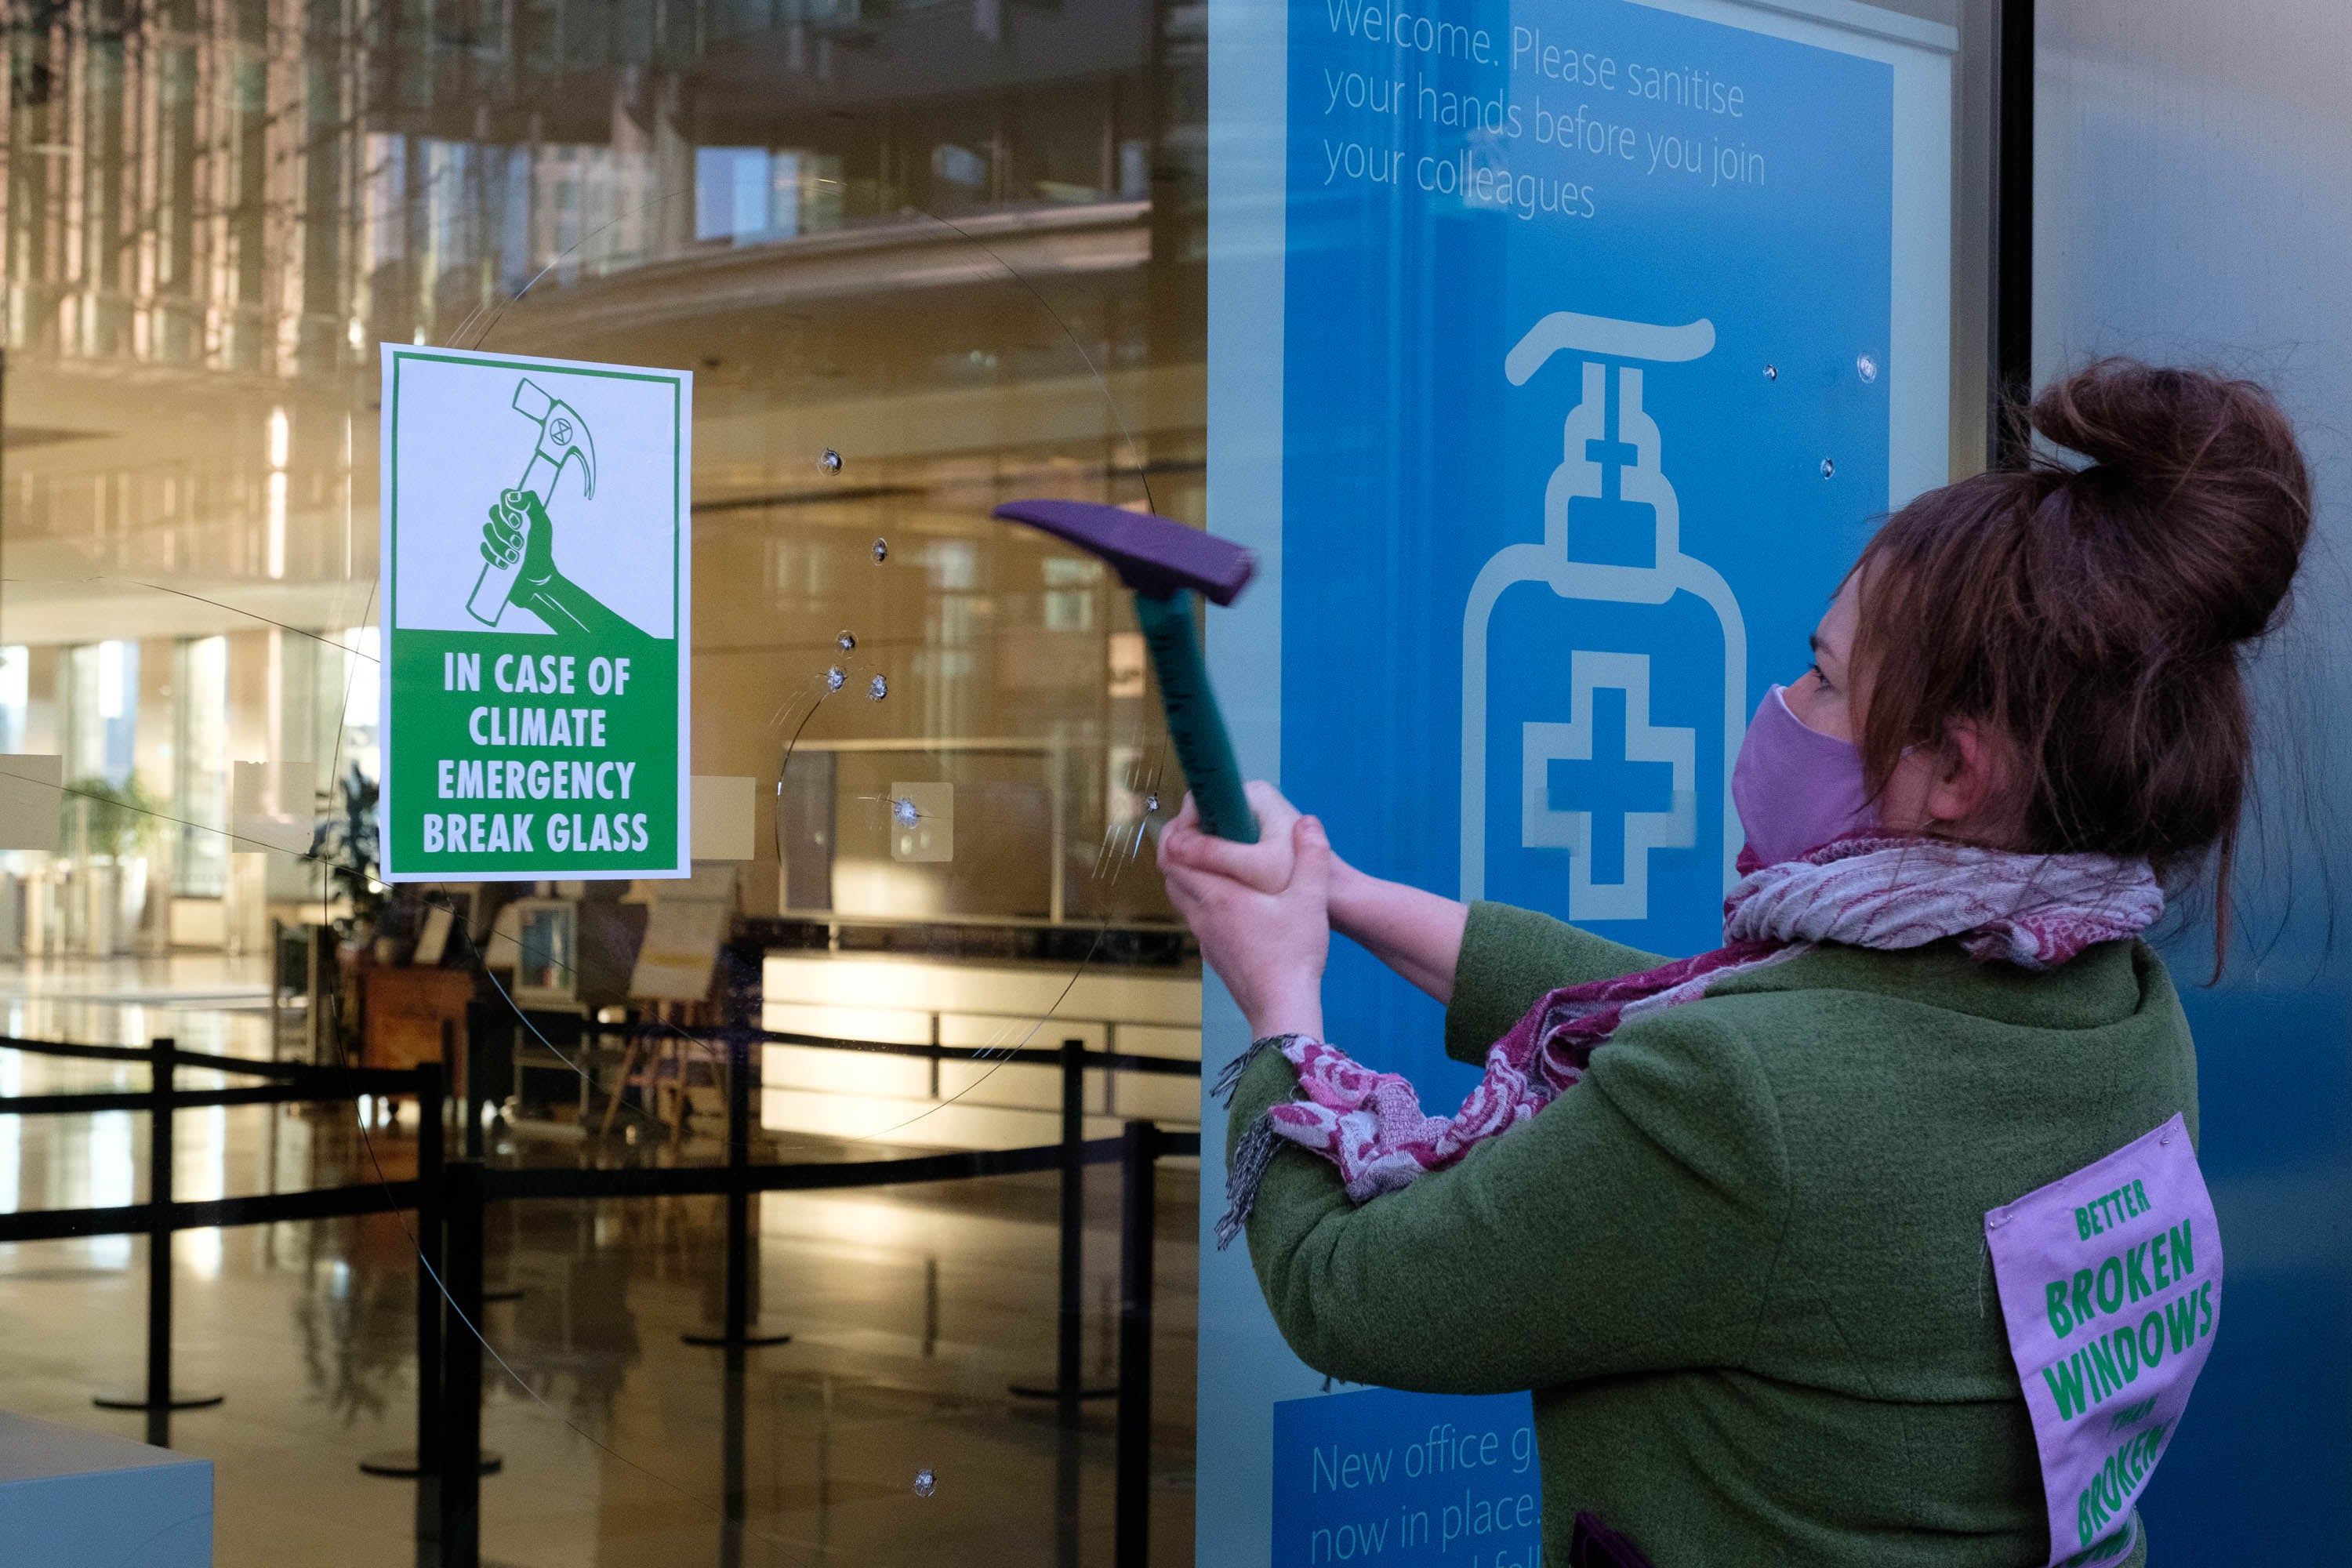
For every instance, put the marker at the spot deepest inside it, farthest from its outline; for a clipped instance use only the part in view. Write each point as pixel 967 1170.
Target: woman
pixel 1729 1219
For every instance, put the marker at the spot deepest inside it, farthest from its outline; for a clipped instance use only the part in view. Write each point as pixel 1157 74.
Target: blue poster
pixel 1384 1477
pixel 1586 419
pixel 1607 334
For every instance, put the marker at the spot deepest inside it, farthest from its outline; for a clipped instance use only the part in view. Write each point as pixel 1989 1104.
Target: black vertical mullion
pixel 2011 314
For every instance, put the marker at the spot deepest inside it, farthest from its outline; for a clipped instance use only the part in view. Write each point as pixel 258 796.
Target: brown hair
pixel 2095 616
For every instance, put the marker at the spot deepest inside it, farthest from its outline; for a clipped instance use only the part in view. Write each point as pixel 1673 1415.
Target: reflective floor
pixel 911 1310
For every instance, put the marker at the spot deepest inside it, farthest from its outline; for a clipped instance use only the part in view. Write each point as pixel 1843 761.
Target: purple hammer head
pixel 1151 554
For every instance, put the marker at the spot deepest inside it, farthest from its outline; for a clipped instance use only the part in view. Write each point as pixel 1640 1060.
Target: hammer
pixel 1162 562
pixel 562 436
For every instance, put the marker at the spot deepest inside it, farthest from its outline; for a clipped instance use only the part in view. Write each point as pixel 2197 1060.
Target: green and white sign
pixel 535 542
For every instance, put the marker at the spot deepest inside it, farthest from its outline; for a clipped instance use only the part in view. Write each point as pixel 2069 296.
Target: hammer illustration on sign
pixel 562 436
pixel 1163 563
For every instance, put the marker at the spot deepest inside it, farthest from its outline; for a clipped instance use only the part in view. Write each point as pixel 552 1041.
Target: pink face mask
pixel 1796 788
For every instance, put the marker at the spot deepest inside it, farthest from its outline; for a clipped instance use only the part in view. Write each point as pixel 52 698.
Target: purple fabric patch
pixel 1592 1544
pixel 2111 1286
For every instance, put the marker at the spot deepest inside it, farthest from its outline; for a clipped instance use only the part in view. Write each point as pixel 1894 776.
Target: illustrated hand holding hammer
pixel 518 541
pixel 517 547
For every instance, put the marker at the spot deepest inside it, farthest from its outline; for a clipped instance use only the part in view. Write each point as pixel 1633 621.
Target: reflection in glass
pixel 920 259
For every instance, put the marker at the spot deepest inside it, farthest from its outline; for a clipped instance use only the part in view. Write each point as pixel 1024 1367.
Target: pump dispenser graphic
pixel 1610 724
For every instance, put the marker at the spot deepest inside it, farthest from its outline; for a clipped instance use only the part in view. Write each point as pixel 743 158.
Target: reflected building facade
pixel 960 244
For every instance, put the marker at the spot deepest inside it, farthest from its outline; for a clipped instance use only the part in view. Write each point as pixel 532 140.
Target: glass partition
pixel 1565 354
pixel 2246 289
pixel 920 258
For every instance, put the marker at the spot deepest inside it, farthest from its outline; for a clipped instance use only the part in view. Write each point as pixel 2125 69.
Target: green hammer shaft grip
pixel 1202 746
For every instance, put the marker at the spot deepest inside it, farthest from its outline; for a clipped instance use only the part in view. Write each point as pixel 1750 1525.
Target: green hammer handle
pixel 1202 746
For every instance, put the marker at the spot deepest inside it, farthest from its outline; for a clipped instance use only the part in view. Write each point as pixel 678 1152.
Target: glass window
pixel 102 704
pixel 201 772
pixel 921 258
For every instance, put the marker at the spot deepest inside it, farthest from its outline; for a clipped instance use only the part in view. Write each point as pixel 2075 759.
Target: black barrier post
pixel 1066 1322
pixel 469 1090
pixel 738 1157
pixel 1069 1386
pixel 160 1157
pixel 1139 1167
pixel 1067 1486
pixel 738 1202
pixel 422 1462
pixel 740 965
pixel 461 1360
pixel 157 1398
pixel 732 1415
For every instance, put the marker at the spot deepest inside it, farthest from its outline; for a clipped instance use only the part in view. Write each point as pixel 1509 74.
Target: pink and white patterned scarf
pixel 2032 910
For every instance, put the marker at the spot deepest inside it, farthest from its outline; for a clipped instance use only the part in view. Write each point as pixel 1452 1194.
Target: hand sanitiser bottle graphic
pixel 1604 673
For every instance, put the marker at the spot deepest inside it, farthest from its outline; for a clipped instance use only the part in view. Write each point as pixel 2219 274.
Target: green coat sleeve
pixel 1512 956
pixel 1630 1226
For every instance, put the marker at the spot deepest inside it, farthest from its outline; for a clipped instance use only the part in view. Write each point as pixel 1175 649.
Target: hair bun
pixel 2197 495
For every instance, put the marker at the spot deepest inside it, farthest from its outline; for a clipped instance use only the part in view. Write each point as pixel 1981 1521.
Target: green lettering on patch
pixel 2065 1381
pixel 2062 1322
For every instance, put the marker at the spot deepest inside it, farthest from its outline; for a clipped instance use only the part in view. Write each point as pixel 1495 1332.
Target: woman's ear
pixel 1970 775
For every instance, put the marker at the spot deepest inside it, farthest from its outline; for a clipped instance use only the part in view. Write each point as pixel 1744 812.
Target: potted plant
pixel 113 827
pixel 347 842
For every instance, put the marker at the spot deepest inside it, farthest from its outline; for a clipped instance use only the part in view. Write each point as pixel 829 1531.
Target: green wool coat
pixel 1742 1264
